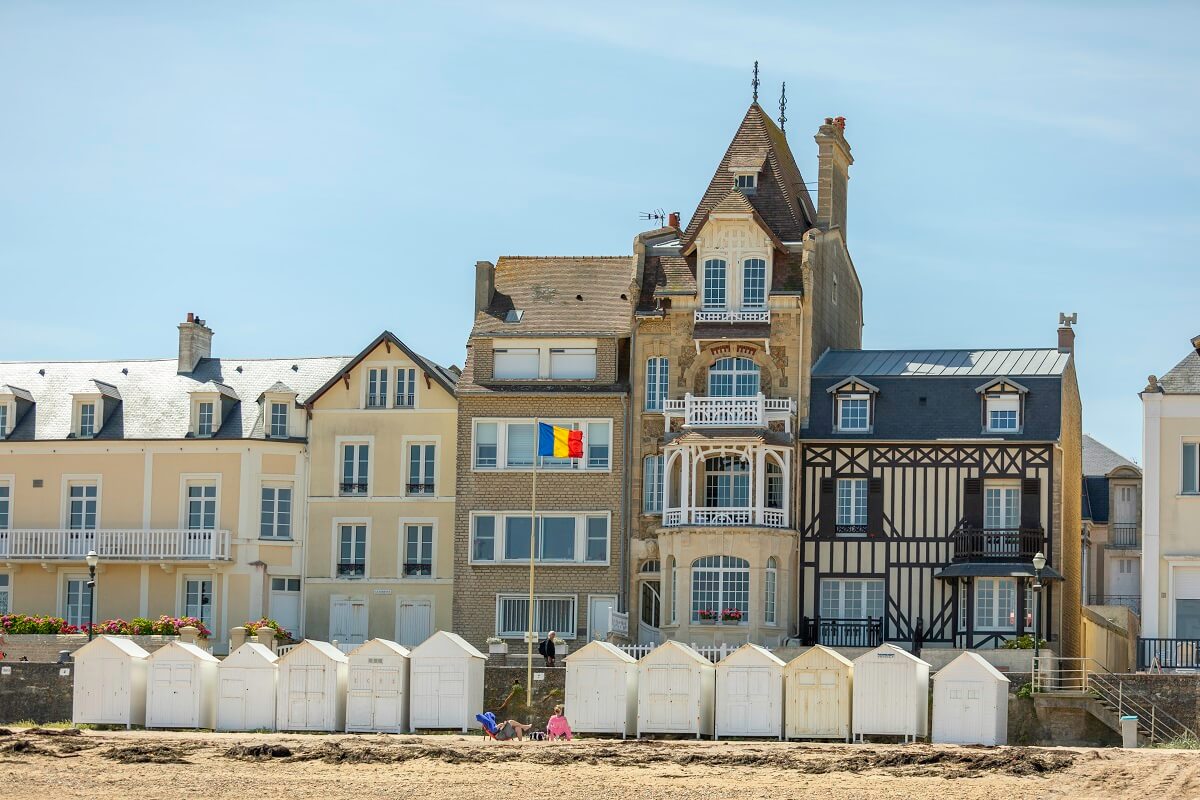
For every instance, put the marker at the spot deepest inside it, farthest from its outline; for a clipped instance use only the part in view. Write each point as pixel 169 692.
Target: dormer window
pixel 853 406
pixel 87 420
pixel 3 420
pixel 212 403
pixel 12 402
pixel 204 419
pixel 279 420
pixel 377 388
pixel 714 283
pixel 747 182
pixel 1003 406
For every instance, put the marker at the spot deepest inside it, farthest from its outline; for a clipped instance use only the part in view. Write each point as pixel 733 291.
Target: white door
pixel 374 701
pixel 600 608
pixel 1124 577
pixel 438 696
pixel 818 702
pixel 106 697
pixel 669 693
pixel 173 687
pixel 423 700
pixel 285 604
pixel 306 697
pixel 748 700
pixel 414 621
pixel 315 698
pixel 965 701
pixel 231 700
pixel 348 621
pixel 1125 506
pixel 594 705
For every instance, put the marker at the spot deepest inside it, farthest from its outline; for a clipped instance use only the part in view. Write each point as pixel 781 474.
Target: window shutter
pixel 827 508
pixel 973 503
pixel 1031 503
pixel 875 507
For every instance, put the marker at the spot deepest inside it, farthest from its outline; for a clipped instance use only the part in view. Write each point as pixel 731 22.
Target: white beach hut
pixel 247 681
pixel 445 683
pixel 601 693
pixel 377 698
pixel 891 694
pixel 970 702
pixel 181 687
pixel 750 693
pixel 110 683
pixel 675 691
pixel 817 685
pixel 311 693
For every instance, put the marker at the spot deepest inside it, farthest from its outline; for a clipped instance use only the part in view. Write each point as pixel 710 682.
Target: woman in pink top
pixel 558 727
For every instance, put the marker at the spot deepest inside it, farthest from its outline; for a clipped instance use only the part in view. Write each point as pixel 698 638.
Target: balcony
pixel 1124 536
pixel 866 632
pixel 721 315
pixel 353 488
pixel 755 411
pixel 351 570
pixel 115 545
pixel 725 517
pixel 421 488
pixel 417 569
pixel 997 544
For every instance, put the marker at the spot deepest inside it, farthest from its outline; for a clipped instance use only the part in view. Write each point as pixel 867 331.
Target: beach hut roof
pixel 970 661
pixel 597 648
pixel 752 652
pixel 386 644
pixel 250 652
pixel 127 646
pixel 672 646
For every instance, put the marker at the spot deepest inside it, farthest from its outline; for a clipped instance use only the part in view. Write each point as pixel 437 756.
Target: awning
pixel 997 569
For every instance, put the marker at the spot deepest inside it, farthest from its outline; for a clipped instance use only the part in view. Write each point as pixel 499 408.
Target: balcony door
pixel 733 377
pixel 81 518
pixel 77 608
pixel 1002 519
pixel 201 518
pixel 726 482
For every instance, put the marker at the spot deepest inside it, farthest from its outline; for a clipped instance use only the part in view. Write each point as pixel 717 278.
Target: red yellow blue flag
pixel 557 442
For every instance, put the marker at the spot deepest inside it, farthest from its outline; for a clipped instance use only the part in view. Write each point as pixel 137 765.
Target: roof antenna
pixel 783 108
pixel 754 83
pixel 657 214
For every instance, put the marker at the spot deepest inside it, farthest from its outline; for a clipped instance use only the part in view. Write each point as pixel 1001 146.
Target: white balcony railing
pixel 115 545
pixel 711 315
pixel 730 412
pixel 725 517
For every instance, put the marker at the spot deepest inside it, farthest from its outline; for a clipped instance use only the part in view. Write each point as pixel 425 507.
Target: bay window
pixel 720 590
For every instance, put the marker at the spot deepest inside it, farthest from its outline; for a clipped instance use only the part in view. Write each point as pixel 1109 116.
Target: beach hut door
pixel 749 698
pixel 233 702
pixel 108 696
pixel 818 701
pixel 670 692
pixel 966 706
pixel 174 685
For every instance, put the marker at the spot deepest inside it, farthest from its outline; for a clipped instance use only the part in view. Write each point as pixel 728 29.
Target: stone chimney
pixel 485 284
pixel 833 173
pixel 1066 333
pixel 1196 343
pixel 195 343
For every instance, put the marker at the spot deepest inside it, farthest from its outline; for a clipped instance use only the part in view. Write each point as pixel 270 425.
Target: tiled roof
pixel 560 295
pixel 1101 460
pixel 1041 361
pixel 155 401
pixel 781 198
pixel 1184 377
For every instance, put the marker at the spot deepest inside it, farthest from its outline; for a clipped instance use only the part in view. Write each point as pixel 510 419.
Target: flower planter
pixel 560 650
pixel 498 648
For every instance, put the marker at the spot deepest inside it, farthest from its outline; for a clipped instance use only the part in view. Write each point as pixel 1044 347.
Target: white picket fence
pixel 713 652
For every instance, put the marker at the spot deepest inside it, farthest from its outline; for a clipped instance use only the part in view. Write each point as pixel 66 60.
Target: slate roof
pixel 1184 377
pixel 1095 494
pixel 1011 363
pixel 155 401
pixel 781 198
pixel 1101 460
pixel 545 290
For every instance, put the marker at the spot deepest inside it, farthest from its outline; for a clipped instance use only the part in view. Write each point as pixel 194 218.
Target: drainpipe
pixel 623 599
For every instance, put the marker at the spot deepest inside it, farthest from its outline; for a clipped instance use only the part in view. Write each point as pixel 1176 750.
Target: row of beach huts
pixel 383 687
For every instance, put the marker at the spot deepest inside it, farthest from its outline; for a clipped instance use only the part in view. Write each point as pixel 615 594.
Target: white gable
pixel 382 646
pixel 751 654
pixel 250 654
pixel 181 651
pixel 676 652
pixel 125 646
pixel 596 650
pixel 445 644
pixel 970 664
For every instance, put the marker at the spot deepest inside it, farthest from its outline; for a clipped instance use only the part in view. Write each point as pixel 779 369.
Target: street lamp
pixel 92 559
pixel 1039 564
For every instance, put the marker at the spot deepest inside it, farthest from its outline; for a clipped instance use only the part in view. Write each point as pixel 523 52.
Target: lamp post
pixel 1039 564
pixel 92 559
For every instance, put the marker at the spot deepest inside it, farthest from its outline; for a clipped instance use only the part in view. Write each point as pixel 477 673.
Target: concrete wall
pixel 44 648
pixel 38 692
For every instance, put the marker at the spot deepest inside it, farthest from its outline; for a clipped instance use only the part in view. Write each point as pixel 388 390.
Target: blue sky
pixel 304 175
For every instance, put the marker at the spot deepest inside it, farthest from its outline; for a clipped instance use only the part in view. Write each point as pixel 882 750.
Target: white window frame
pixel 771 592
pixel 658 382
pixel 709 293
pixel 856 490
pixel 735 367
pixel 545 463
pixel 1007 489
pixel 204 430
pixel 6 592
pixel 7 417
pixel 186 481
pixel 746 180
pixel 406 388
pixel 841 401
pixel 377 377
pixel 275 487
pixel 568 634
pixel 842 597
pixel 1004 402
pixel 500 532
pixel 201 578
pixel 338 524
pixel 94 404
pixel 652 484
pixel 69 480
pixel 341 442
pixel 995 621
pixel 272 404
pixel 86 597
pixel 573 363
pixel 419 523
pixel 6 502
pixel 759 305
pixel 510 373
pixel 724 600
pixel 425 469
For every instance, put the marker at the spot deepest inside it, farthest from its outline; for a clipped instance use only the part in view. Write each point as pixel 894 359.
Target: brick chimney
pixel 673 220
pixel 833 173
pixel 485 284
pixel 195 343
pixel 1066 333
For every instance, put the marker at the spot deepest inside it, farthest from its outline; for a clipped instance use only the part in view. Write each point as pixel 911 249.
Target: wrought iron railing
pixel 353 488
pixel 1155 653
pixel 1130 601
pixel 416 568
pixel 1124 536
pixel 997 544
pixel 832 632
pixel 351 570
pixel 116 544
pixel 425 487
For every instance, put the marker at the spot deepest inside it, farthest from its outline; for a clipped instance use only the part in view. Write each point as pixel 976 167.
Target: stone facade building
pixel 1112 528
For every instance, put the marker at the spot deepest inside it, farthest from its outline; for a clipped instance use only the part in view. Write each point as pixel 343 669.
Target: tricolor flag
pixel 557 442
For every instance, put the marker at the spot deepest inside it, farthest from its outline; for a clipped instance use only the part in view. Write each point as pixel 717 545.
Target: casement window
pixel 356 460
pixel 406 387
pixel 769 591
pixel 352 551
pixel 720 584
pixel 83 500
pixel 198 599
pixel 996 605
pixel 1001 506
pixel 509 444
pixel 562 538
pixel 5 593
pixel 852 505
pixel 754 284
pixel 77 602
pixel 851 598
pixel 1003 413
pixel 279 420
pixel 774 485
pixel 573 363
pixel 276 512
pixel 1191 468
pixel 204 419
pixel 5 505
pixel 747 182
pixel 550 613
pixel 714 283
pixel 422 459
pixel 657 382
pixel 726 482
pixel 1126 566
pixel 652 484
pixel 853 413
pixel 377 387
pixel 515 363
pixel 201 510
pixel 418 551
pixel 733 377
pixel 3 420
pixel 87 420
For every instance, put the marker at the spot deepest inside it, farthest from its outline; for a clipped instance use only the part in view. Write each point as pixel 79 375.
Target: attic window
pixel 747 182
pixel 514 315
pixel 1003 413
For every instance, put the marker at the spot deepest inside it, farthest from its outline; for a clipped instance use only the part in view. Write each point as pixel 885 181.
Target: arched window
pixel 653 565
pixel 726 482
pixel 733 377
pixel 754 284
pixel 774 485
pixel 714 283
pixel 769 582
pixel 720 589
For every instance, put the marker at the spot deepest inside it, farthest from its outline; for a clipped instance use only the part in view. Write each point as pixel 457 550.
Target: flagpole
pixel 529 636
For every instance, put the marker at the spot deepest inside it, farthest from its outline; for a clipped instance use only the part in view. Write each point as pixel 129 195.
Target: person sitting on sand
pixel 503 731
pixel 558 727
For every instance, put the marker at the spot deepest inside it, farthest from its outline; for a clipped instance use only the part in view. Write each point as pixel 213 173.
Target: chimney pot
pixel 673 219
pixel 191 317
